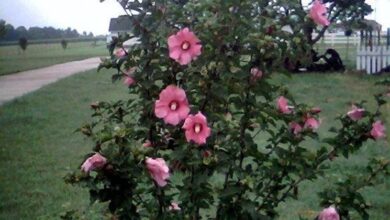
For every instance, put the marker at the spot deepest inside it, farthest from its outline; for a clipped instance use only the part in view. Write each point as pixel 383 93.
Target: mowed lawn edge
pixel 39 147
pixel 14 60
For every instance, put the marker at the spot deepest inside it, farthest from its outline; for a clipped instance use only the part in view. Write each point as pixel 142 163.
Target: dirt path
pixel 18 84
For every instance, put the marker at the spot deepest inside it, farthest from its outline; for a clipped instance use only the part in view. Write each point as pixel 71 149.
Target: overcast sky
pixel 91 15
pixel 83 15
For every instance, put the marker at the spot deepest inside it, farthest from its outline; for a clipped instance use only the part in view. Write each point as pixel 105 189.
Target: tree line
pixel 9 33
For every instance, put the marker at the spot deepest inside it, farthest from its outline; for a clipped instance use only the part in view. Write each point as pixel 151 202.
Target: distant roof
pixel 365 24
pixel 119 24
pixel 372 25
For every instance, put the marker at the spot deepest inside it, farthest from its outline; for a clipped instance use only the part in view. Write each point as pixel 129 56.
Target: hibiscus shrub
pixel 185 145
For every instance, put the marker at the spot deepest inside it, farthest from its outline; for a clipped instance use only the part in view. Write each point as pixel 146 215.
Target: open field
pixel 38 146
pixel 55 40
pixel 12 59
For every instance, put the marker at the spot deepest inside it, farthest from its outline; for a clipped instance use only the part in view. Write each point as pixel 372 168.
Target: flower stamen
pixel 173 106
pixel 197 128
pixel 186 45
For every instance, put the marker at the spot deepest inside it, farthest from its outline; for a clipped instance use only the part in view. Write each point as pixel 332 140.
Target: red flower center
pixel 197 128
pixel 173 105
pixel 185 45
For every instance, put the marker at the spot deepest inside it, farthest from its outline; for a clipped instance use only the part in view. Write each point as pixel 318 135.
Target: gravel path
pixel 18 84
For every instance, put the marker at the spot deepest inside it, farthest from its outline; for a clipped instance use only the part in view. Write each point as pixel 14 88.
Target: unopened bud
pixel 94 105
pixel 206 153
pixel 147 144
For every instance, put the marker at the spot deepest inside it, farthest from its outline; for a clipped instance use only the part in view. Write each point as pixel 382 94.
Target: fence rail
pixel 372 59
pixel 333 39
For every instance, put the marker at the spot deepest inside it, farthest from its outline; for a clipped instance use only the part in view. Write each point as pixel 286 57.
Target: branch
pixel 207 94
pixel 373 175
pixel 133 20
pixel 244 125
pixel 322 32
pixel 160 199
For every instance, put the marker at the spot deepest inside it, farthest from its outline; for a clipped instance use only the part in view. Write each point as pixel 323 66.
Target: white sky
pixel 381 8
pixel 83 15
pixel 91 15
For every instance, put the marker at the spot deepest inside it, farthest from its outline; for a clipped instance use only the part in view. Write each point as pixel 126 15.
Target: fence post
pixel 356 40
pixel 332 39
pixel 358 64
pixel 347 56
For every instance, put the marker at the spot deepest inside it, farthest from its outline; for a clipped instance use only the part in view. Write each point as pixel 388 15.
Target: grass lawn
pixel 333 93
pixel 12 59
pixel 38 146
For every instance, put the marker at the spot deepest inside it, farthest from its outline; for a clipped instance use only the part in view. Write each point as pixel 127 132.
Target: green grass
pixel 333 93
pixel 13 59
pixel 38 146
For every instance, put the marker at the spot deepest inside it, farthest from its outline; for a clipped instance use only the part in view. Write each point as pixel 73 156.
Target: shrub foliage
pixel 147 162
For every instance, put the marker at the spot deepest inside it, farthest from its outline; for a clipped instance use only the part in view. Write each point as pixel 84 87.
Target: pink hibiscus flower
pixel 206 153
pixel 174 207
pixel 147 143
pixel 128 80
pixel 318 13
pixel 94 162
pixel 356 113
pixel 120 52
pixel 315 110
pixel 311 123
pixel 184 46
pixel 256 74
pixel 158 169
pixel 282 105
pixel 378 130
pixel 329 214
pixel 295 128
pixel 196 128
pixel 172 105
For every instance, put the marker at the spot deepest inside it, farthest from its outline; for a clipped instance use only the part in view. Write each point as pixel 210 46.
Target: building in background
pixel 119 26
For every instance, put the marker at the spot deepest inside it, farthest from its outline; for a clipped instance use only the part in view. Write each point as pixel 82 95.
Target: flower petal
pixel 173 41
pixel 185 58
pixel 183 111
pixel 172 118
pixel 160 109
pixel 175 52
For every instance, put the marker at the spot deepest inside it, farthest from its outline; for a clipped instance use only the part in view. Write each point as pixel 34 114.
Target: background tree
pixel 21 31
pixel 23 43
pixel 10 33
pixel 2 28
pixel 297 20
pixel 64 44
pixel 35 33
pixel 345 11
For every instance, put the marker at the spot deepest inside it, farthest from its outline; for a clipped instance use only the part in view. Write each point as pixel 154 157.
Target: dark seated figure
pixel 332 60
pixel 385 70
pixel 329 61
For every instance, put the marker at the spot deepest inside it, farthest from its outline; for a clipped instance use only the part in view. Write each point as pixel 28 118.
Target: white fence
pixel 340 38
pixel 372 59
pixel 333 39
